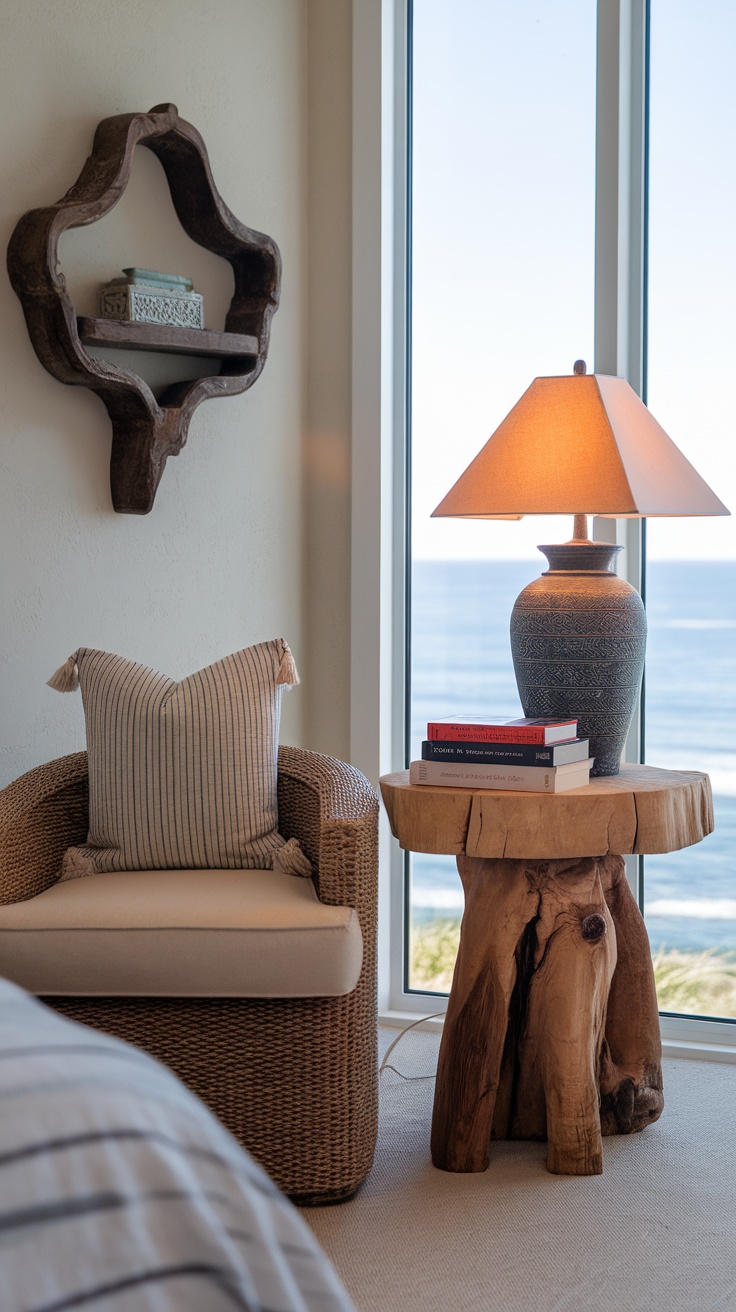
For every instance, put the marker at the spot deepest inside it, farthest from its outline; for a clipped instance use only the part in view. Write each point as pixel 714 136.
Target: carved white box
pixel 139 303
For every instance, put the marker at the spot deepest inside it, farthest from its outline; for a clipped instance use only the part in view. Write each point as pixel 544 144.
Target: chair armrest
pixel 333 811
pixel 41 815
pixel 328 805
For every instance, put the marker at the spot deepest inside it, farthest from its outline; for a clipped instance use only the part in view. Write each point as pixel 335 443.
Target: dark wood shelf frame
pixel 145 432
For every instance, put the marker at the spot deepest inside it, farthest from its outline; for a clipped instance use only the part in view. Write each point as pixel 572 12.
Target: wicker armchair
pixel 295 1080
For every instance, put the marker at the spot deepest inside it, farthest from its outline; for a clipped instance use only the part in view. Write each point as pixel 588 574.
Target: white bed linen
pixel 121 1192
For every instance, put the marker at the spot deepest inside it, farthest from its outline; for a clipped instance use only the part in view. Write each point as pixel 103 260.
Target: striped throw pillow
pixel 181 775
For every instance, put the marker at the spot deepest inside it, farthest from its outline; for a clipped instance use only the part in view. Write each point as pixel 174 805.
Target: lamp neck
pixel 580 557
pixel 580 528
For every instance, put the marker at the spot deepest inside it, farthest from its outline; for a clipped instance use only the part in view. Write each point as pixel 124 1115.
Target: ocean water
pixel 461 664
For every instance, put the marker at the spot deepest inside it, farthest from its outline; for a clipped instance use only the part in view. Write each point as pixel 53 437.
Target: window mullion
pixel 620 244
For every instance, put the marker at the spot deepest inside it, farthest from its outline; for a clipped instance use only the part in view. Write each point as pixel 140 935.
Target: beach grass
pixel 695 983
pixel 701 983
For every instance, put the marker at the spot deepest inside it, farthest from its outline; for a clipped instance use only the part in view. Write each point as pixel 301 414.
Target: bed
pixel 120 1191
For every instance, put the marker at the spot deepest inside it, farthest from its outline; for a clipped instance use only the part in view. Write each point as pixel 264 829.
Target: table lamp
pixel 580 444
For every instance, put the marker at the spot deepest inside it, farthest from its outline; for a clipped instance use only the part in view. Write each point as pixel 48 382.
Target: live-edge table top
pixel 642 809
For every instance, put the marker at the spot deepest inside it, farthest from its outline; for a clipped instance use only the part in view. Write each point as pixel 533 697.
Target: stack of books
pixel 533 756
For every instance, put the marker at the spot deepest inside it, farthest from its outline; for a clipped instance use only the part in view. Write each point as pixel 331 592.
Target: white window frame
pixel 379 427
pixel 381 98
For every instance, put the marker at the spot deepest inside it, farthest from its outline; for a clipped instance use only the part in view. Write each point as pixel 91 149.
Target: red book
pixel 492 730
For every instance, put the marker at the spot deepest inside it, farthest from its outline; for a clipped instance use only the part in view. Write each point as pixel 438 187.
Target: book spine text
pixel 486 733
pixel 475 753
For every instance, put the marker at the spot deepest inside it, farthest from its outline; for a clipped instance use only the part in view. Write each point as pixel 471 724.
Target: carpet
pixel 656 1231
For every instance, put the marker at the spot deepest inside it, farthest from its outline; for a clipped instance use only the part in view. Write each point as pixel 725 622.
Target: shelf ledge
pixel 124 335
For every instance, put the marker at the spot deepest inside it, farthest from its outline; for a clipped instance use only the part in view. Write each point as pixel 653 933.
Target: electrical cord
pixel 386 1065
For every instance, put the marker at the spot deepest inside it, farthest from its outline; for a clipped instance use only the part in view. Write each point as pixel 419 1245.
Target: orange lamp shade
pixel 579 443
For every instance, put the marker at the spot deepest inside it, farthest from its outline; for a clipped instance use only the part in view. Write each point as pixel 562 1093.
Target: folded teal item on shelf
pixel 153 277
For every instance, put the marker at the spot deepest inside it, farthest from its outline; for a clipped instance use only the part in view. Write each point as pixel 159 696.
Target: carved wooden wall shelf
pixel 145 432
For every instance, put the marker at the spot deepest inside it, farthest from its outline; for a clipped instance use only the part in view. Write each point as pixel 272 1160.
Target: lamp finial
pixel 580 368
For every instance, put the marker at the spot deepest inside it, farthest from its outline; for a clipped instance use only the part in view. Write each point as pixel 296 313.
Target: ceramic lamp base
pixel 578 638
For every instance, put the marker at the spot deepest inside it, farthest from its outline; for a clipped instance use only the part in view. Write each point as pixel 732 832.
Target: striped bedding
pixel 120 1192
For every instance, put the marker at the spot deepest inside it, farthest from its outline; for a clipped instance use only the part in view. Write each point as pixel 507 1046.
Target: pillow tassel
pixel 287 669
pixel 76 863
pixel 66 678
pixel 291 860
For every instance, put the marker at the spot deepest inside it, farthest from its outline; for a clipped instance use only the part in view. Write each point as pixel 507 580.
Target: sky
pixel 503 231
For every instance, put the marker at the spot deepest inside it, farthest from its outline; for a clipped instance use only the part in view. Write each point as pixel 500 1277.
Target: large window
pixel 503 187
pixel 690 896
pixel 504 243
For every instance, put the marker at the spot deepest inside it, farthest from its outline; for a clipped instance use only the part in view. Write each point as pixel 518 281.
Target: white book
pixel 518 778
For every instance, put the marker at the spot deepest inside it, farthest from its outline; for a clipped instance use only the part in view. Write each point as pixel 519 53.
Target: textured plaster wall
pixel 242 532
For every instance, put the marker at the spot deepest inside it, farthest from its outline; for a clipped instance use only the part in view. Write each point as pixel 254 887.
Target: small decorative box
pixel 147 296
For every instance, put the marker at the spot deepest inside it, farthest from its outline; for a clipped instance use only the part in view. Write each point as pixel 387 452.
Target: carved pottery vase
pixel 578 638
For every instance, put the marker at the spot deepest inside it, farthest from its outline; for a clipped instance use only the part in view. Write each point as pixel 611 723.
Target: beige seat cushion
pixel 181 933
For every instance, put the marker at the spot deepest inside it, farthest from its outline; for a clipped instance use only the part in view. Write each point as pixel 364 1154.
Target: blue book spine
pixel 505 753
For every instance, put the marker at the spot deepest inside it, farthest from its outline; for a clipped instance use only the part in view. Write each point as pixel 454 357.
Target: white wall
pixel 242 530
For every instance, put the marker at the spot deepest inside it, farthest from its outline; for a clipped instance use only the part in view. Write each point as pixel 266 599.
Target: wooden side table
pixel 552 1027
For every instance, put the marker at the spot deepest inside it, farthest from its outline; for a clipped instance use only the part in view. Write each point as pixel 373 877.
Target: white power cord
pixel 386 1065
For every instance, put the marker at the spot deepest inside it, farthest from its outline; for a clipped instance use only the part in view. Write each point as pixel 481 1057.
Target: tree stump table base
pixel 552 1029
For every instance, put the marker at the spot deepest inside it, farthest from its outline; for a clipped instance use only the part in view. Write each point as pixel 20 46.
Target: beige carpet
pixel 656 1231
